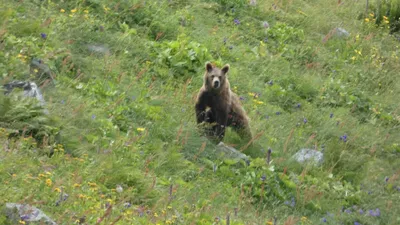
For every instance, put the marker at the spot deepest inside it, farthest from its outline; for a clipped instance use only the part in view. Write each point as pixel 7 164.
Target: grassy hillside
pixel 120 138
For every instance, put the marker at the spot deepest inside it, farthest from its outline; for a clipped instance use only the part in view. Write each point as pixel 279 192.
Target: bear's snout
pixel 216 83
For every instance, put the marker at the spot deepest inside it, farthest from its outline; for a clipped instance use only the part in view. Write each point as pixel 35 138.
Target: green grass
pixel 127 117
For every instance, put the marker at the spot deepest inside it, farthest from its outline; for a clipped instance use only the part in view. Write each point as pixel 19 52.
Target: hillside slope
pixel 120 138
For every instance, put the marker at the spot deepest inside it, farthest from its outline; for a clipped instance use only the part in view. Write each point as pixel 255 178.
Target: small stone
pixel 309 155
pixel 14 212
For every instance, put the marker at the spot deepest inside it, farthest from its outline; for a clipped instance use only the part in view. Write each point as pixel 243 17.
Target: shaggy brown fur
pixel 217 105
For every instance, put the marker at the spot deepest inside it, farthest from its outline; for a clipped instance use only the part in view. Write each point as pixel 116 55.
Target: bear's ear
pixel 209 67
pixel 225 69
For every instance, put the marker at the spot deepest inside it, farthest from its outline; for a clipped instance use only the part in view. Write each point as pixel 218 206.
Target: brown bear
pixel 219 107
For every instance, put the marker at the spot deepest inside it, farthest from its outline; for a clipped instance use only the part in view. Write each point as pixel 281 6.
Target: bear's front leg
pixel 200 108
pixel 222 121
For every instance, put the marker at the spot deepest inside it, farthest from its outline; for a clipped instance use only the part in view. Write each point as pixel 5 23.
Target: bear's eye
pixel 212 76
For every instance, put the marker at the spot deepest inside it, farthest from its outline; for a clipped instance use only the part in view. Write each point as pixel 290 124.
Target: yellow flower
pixel 155 214
pixel 62 10
pixel 21 222
pixel 303 219
pixel 49 182
pixel 386 21
pixel 57 189
pixel 77 185
pixel 371 14
pixel 92 184
pixel 358 51
pixel 86 11
pixel 169 207
pixel 42 175
pixel 14 175
pixel 270 223
pixel 81 196
pixel 385 18
pixel 366 19
pixel 168 222
pixel 163 211
pixel 141 129
pixel 353 58
pixel 73 10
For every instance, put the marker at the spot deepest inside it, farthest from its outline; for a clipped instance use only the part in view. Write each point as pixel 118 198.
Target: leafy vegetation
pixel 120 137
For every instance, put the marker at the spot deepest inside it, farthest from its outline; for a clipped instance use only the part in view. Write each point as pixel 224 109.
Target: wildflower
pixel 169 207
pixel 236 21
pixel 21 222
pixel 366 20
pixel 14 175
pixel 344 138
pixel 298 105
pixel 225 39
pixel 357 223
pixel 43 35
pixel 361 211
pixel 86 11
pixel 76 185
pixel 231 47
pixel 57 189
pixel 265 40
pixel 263 178
pixel 305 120
pixel 270 223
pixel 371 15
pixel 265 24
pixel 324 220
pixel 331 115
pixel 241 98
pixel 119 189
pixel 347 211
pixel 73 10
pixel 155 215
pixel 386 179
pixel 93 117
pixel 303 219
pixel 385 18
pixel 62 10
pixel 49 182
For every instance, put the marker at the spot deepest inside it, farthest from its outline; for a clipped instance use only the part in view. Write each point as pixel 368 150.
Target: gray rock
pixel 340 32
pixel 41 71
pixel 98 49
pixel 16 212
pixel 232 153
pixel 30 90
pixel 309 155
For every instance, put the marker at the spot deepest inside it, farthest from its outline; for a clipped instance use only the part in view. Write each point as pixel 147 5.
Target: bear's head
pixel 215 78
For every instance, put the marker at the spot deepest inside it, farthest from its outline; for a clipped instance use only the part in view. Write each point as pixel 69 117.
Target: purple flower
pixel 305 120
pixel 357 223
pixel 43 35
pixel 271 82
pixel 278 113
pixel 293 203
pixel 298 105
pixel 265 24
pixel 62 101
pixel 386 179
pixel 344 138
pixel 241 98
pixel 263 178
pixel 225 39
pixel 376 212
pixel 324 220
pixel 331 115
pixel 347 211
pixel 361 211
pixel 93 117
pixel 236 21
pixel 231 47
